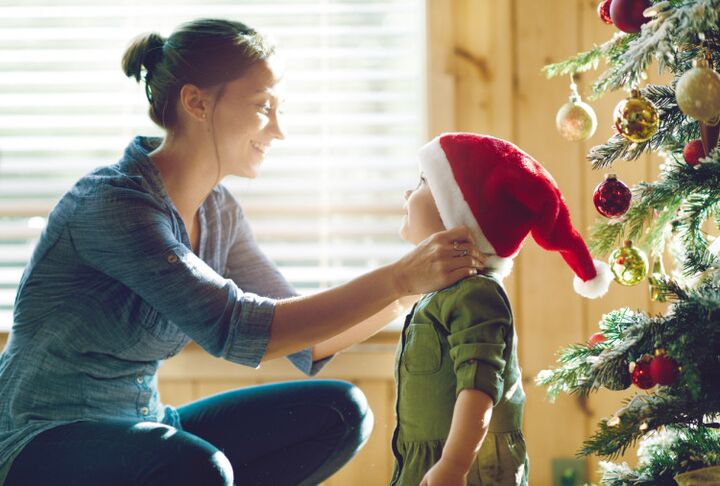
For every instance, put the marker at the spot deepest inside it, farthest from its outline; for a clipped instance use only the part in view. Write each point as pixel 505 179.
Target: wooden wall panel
pixel 482 60
pixel 440 81
pixel 550 314
pixel 177 392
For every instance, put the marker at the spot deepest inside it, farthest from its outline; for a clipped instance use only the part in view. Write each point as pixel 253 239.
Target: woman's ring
pixel 463 251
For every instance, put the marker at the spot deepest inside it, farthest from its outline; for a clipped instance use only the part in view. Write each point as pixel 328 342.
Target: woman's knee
pixel 186 459
pixel 351 404
pixel 207 469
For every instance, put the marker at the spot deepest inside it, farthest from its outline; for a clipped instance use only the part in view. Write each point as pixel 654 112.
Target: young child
pixel 460 398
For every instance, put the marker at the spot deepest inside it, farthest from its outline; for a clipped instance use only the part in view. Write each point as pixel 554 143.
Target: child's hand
pixel 445 473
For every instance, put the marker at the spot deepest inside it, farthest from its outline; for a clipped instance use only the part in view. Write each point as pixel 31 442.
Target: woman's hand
pixel 445 473
pixel 438 261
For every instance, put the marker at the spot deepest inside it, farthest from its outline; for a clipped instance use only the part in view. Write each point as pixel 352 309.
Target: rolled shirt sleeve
pixel 253 271
pixel 130 236
pixel 479 322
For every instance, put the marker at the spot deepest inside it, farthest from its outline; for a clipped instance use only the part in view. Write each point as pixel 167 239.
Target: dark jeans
pixel 279 434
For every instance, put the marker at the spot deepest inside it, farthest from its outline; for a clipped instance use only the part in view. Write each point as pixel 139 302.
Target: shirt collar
pixel 138 152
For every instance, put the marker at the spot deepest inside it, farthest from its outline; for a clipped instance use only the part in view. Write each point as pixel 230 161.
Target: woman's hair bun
pixel 146 50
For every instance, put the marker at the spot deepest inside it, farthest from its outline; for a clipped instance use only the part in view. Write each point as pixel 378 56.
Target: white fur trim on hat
pixel 598 286
pixel 501 267
pixel 454 210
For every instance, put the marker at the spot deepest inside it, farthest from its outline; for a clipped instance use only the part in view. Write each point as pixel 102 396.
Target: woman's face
pixel 422 218
pixel 246 121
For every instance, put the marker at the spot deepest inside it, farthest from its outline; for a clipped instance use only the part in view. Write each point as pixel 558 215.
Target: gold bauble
pixel 628 265
pixel 576 120
pixel 636 118
pixel 656 274
pixel 698 93
pixel 705 476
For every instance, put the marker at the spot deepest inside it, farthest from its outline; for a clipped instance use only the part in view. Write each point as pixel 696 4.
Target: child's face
pixel 422 218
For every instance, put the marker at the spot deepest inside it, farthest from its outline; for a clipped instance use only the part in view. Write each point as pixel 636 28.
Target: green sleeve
pixel 478 321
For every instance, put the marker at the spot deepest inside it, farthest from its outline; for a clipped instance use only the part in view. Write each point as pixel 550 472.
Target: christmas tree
pixel 673 358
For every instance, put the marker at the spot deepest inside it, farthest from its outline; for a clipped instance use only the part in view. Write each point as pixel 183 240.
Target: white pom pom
pixel 598 286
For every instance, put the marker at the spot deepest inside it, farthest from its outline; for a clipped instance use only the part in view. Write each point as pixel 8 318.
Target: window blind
pixel 327 203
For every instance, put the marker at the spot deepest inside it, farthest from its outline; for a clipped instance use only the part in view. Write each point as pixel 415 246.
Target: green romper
pixel 459 337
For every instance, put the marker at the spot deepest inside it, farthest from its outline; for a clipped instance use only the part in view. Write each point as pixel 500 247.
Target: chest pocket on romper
pixel 422 355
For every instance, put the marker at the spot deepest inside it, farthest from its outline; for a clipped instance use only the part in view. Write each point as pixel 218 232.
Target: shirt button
pixel 172 258
pixel 140 380
pixel 144 410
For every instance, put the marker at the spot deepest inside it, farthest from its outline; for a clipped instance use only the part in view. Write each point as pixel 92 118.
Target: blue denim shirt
pixel 113 288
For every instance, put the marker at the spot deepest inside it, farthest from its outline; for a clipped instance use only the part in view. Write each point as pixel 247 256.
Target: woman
pixel 142 256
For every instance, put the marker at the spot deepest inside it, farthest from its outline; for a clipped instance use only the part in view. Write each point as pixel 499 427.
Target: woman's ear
pixel 195 102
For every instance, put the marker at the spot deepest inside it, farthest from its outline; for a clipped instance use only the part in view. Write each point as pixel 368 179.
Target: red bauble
pixel 664 370
pixel 598 337
pixel 641 375
pixel 603 10
pixel 612 197
pixel 627 15
pixel 693 152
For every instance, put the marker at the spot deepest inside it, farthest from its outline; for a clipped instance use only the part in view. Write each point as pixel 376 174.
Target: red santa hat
pixel 502 194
